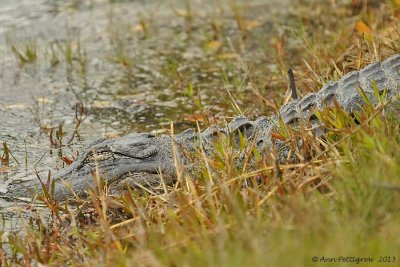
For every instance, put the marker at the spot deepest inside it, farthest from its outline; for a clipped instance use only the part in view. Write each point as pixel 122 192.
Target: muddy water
pixel 130 63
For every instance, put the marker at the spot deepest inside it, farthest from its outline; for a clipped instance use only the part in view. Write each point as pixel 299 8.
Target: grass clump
pixel 26 54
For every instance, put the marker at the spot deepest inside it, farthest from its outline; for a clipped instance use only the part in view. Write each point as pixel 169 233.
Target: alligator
pixel 144 159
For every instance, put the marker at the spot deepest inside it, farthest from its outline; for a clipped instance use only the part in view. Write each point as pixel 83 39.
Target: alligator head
pixel 113 160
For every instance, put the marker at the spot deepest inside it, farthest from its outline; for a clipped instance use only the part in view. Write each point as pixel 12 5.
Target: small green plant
pixel 54 60
pixel 39 114
pixel 5 158
pixel 26 54
pixel 74 54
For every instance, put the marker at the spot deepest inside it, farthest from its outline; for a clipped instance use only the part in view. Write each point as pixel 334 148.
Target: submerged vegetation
pixel 340 200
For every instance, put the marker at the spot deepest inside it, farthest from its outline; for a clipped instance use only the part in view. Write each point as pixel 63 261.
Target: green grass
pixel 329 207
pixel 26 54
pixel 340 202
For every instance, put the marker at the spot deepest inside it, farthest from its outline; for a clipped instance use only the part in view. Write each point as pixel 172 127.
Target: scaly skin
pixel 142 157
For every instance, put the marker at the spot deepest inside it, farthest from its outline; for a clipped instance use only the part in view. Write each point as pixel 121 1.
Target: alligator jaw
pixel 113 160
pixel 110 169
